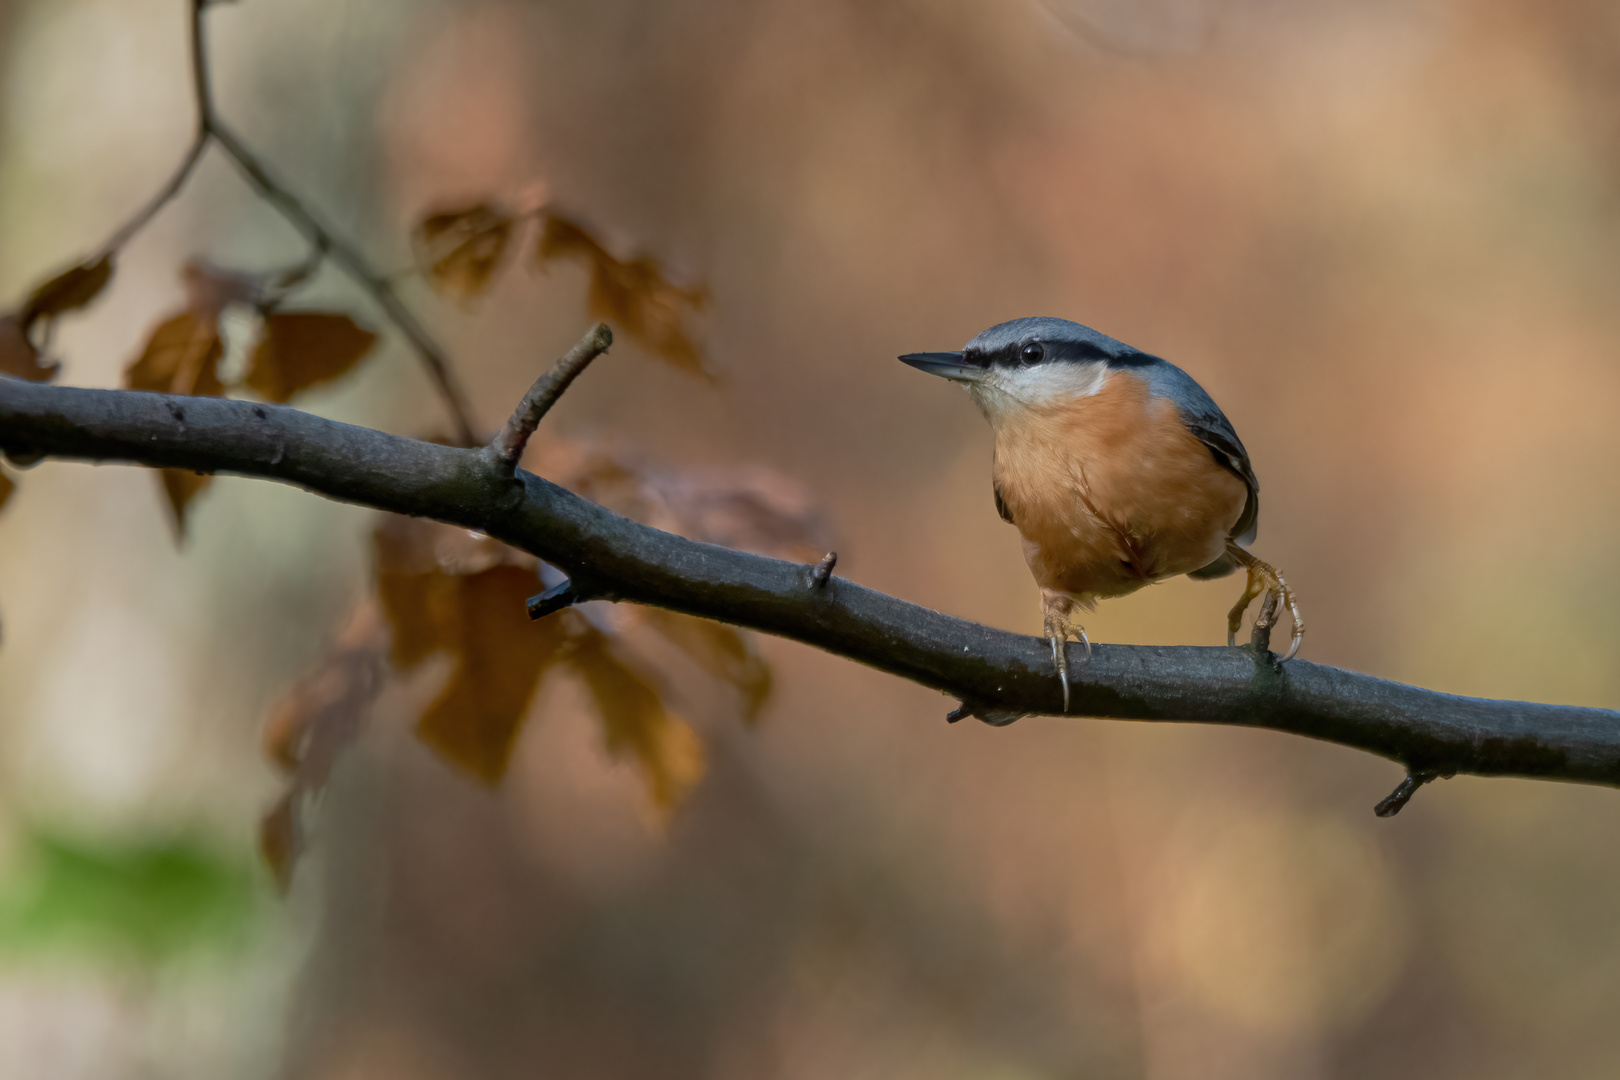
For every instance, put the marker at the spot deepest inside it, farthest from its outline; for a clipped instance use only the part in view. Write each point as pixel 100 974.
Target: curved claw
pixel 1060 660
pixel 1294 616
pixel 1267 579
pixel 1059 628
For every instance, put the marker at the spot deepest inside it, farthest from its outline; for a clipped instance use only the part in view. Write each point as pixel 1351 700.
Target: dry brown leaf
pixel 447 590
pixel 68 291
pixel 636 723
pixel 723 651
pixel 7 486
pixel 476 720
pixel 180 486
pixel 18 357
pixel 312 723
pixel 497 653
pixel 321 714
pixel 300 349
pixel 634 296
pixel 417 605
pixel 608 476
pixel 459 250
pixel 747 507
pixel 281 838
pixel 444 589
pixel 181 357
pixel 407 545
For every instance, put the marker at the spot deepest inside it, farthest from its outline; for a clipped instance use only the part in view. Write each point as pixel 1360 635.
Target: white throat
pixel 1005 393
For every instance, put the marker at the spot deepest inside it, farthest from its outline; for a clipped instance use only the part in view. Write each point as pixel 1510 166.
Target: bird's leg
pixel 1060 626
pixel 1263 578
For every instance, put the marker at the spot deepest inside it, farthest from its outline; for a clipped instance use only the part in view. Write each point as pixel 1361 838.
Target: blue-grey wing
pixel 1211 427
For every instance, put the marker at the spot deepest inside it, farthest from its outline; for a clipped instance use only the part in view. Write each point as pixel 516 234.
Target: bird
pixel 1117 469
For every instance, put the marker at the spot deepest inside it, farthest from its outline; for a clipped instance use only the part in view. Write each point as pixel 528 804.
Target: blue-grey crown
pixel 1061 339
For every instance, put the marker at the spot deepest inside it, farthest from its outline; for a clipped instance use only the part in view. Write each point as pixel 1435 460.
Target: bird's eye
pixel 1031 353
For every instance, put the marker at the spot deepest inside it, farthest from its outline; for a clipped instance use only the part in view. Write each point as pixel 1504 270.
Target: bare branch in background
pixel 212 130
pixel 998 675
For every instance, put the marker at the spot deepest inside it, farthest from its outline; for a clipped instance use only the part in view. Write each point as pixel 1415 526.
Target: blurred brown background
pixel 1383 235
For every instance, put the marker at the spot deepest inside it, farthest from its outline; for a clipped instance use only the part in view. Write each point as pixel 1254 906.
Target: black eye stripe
pixel 1028 353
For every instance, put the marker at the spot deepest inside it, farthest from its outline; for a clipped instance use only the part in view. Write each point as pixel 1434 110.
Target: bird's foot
pixel 1267 579
pixel 1060 627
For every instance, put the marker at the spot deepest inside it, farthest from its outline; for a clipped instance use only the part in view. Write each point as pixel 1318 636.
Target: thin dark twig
pixel 1392 803
pixel 561 595
pixel 211 129
pixel 507 446
pixel 157 202
pixel 203 102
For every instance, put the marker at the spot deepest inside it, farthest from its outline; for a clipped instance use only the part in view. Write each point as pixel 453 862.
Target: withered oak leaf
pixel 497 657
pixel 301 349
pixel 18 357
pixel 281 838
pixel 311 724
pixel 181 357
pixel 459 250
pixel 70 290
pixel 726 653
pixel 444 589
pixel 635 296
pixel 635 721
pixel 314 719
pixel 748 507
pixel 180 487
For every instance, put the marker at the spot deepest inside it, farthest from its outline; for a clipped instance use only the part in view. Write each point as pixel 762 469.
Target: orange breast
pixel 1112 492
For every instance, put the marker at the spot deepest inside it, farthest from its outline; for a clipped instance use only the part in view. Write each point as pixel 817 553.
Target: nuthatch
pixel 1116 468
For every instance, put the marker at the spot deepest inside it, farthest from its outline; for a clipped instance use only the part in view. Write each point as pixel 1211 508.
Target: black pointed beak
pixel 948 365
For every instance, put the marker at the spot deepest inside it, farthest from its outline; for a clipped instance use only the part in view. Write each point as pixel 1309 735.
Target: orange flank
pixel 1111 492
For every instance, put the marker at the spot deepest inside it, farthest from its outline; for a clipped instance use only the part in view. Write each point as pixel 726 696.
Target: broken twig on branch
pixel 507 446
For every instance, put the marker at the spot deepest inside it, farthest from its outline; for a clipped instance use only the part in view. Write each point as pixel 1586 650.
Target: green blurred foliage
pixel 144 900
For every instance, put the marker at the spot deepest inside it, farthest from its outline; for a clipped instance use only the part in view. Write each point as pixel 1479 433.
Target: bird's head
pixel 1026 364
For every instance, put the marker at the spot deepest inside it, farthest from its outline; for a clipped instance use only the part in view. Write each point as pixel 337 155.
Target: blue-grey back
pixel 1206 421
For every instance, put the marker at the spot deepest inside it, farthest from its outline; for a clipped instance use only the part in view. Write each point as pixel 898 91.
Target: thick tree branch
pixel 998 675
